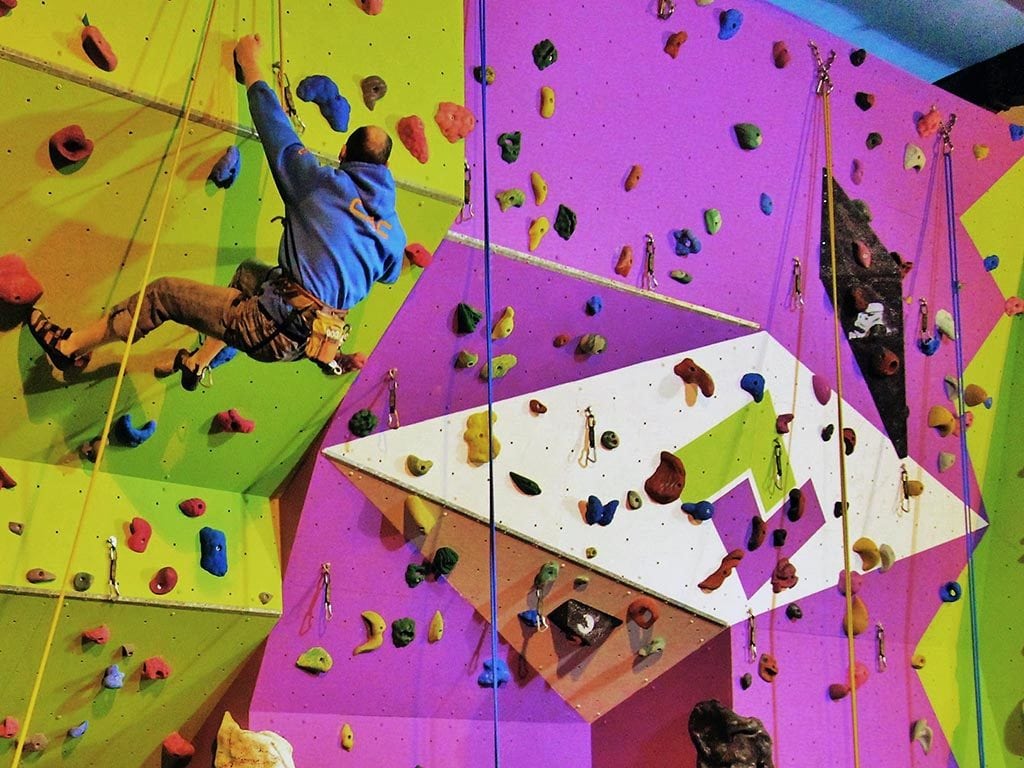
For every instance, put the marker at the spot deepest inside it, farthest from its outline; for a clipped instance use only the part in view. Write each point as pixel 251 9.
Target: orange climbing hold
pixel 633 178
pixel 643 612
pixel 715 580
pixel 413 135
pixel 17 285
pixel 674 43
pixel 419 255
pixel 177 746
pixel 625 262
pixel 929 123
pixel 857 621
pixel 455 121
pixel 98 49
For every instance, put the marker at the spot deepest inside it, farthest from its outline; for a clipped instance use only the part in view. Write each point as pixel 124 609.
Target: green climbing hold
pixel 633 500
pixel 499 366
pixel 466 359
pixel 511 198
pixel 580 582
pixel 316 659
pixel 525 484
pixel 565 222
pixel 466 318
pixel 680 276
pixel 417 467
pixel 592 344
pixel 415 574
pixel 403 632
pixel 544 54
pixel 873 140
pixel 657 645
pixel 511 144
pixel 445 560
pixel 546 575
pixel 712 220
pixel 362 423
pixel 748 135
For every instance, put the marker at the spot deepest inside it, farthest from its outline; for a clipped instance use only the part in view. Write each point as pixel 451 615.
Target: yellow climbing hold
pixel 917 661
pixel 980 151
pixel 375 626
pixel 476 437
pixel 860 617
pixel 436 630
pixel 420 513
pixel 913 158
pixel 868 551
pixel 540 188
pixel 547 101
pixel 538 229
pixel 505 325
pixel 348 739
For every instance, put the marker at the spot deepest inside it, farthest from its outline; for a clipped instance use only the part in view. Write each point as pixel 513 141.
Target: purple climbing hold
pixel 225 171
pixel 753 384
pixel 323 92
pixel 729 23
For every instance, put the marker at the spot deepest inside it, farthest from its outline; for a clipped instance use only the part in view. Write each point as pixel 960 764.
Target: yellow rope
pixel 62 594
pixel 830 202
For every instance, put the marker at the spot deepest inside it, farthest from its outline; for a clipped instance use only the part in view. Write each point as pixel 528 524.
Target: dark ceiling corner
pixel 996 84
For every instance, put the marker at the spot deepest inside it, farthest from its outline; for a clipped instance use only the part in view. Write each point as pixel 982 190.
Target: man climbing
pixel 341 235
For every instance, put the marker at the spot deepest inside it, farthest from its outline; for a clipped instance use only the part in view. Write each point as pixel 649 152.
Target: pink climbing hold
pixel 862 253
pixel 155 668
pixel 419 255
pixel 837 691
pixel 165 580
pixel 139 531
pixel 413 135
pixel 232 421
pixel 856 579
pixel 99 635
pixel 17 285
pixel 782 422
pixel 822 390
pixel 193 507
pixel 9 727
pixel 1014 306
pixel 455 121
pixel 857 172
pixel 371 7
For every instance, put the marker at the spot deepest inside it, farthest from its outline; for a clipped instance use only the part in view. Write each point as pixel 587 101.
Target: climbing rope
pixel 954 278
pixel 824 89
pixel 114 396
pixel 489 322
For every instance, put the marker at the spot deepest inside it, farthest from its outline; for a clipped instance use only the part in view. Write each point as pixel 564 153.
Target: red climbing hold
pixel 193 507
pixel 164 581
pixel 178 746
pixel 6 6
pixel 372 7
pixel 99 635
pixel 454 120
pixel 69 145
pixel 17 286
pixel 714 581
pixel 625 262
pixel 155 668
pixel 9 727
pixel 413 136
pixel 674 43
pixel 139 531
pixel 419 255
pixel 784 576
pixel 98 49
pixel 232 421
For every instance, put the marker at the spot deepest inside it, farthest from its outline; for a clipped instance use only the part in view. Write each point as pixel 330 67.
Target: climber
pixel 341 235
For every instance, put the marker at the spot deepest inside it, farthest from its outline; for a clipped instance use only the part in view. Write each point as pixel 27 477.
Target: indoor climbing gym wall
pixel 596 464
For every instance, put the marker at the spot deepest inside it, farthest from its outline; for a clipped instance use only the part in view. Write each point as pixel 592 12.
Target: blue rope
pixel 493 536
pixel 964 474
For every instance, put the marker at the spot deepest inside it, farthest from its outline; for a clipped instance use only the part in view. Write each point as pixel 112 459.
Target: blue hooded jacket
pixel 343 233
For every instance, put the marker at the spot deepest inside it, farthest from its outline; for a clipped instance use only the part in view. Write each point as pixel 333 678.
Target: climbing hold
pixel 18 288
pixel 873 140
pixel 594 305
pixel 758 530
pixel 822 390
pixel 767 206
pixel 504 325
pixel 476 437
pixel 362 423
pixel 712 220
pixel 499 366
pixel 941 419
pixel 859 615
pixel 415 574
pixel 231 421
pixel 163 581
pixel 6 6
pixel 980 151
pixel 156 668
pixel 374 89
pixel 226 169
pixel 746 680
pixel 989 262
pixel 536 406
pixel 714 581
pixel 213 547
pixel 480 74
pixel 413 135
pixel 599 513
pixel 544 54
pixel 918 660
pixel 139 531
pixel 748 135
pixel 265 597
pixel 1013 306
pixel 886 557
pixel 795 510
pixel 580 582
pixel 466 318
pixel 625 261
pixel 511 198
pixel 946 460
pixel 856 579
pixel 837 691
pixel 78 731
pixel 371 7
pixel 913 157
pixel 16 528
pixel 862 253
pixel 681 276
pixel 643 612
pixel 784 576
pixel 418 255
pixel 113 677
pixel 436 629
pixel 99 635
pixel 417 467
pixel 656 645
pixel 930 345
pixel 97 48
pixel 694 377
pixel 928 124
pixel 416 508
pixel 348 738
pixel 68 146
pixel 921 732
pixel 403 632
pixel 753 384
pixel 779 538
pixel 82 581
pixel 633 500
pixel 9 727
pixel 538 228
pixel 782 422
pixel 238 747
pixel 780 54
pixel 701 510
pixel 767 667
pixel 375 626
pixel 316 660
pixel 944 323
pixel 950 592
pixel 128 435
pixel 686 242
pixel 531 618
pixel 668 480
pixel 539 187
pixel 857 171
pixel 868 551
pixel 37 742
pixel 193 507
pixel 849 440
pixel 1016 132
pixel 674 43
pixel 455 121
pixel 729 23
pixel 858 56
pixel 975 395
pixel 609 440
pixel 884 361
pixel 495 674
pixel 546 574
pixel 591 344
pixel 561 340
pixel 547 101
pixel 590 552
pixel 511 144
pixel 864 100
pixel 794 612
pixel 444 561
pixel 565 222
pixel 39 576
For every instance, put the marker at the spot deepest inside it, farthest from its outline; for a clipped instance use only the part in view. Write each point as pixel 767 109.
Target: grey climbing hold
pixel 82 581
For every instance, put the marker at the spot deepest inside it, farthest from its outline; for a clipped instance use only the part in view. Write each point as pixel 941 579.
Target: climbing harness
pixel 751 636
pixel 589 455
pixel 393 422
pixel 466 212
pixel 112 583
pixel 665 9
pixel 325 577
pixel 649 282
pixel 881 662
pixel 798 286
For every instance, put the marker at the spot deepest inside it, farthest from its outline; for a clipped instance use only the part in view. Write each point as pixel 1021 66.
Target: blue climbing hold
pixel 113 678
pixel 1016 132
pixel 127 434
pixel 213 549
pixel 950 592
pixel 495 673
pixel 753 383
pixel 226 355
pixel 930 345
pixel 594 305
pixel 598 513
pixel 323 92
pixel 729 23
pixel 77 731
pixel 702 510
pixel 531 618
pixel 767 206
pixel 225 171
pixel 686 242
pixel 991 262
